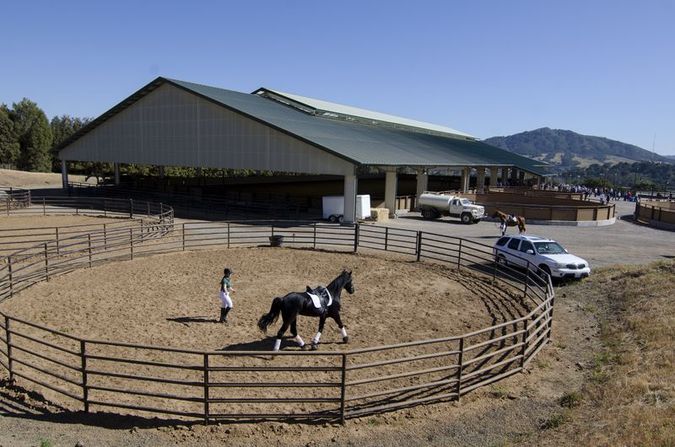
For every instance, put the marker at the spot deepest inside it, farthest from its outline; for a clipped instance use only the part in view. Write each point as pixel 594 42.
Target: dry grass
pixel 629 398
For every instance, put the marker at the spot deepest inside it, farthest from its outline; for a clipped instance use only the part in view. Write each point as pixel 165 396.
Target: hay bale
pixel 379 214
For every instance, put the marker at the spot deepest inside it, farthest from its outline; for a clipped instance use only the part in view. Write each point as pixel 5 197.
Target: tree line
pixel 642 175
pixel 28 139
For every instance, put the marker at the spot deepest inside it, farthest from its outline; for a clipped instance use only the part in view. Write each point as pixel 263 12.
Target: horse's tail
pixel 271 316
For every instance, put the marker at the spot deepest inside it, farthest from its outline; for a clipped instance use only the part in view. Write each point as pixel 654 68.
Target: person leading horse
pixel 509 220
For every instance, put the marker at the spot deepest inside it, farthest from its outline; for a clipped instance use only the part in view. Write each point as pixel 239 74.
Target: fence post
pixel 148 214
pixel 8 338
pixel 459 256
pixel 526 334
pixel 343 390
pixel 7 205
pixel 11 277
pixel 46 262
pixel 85 388
pixel 386 238
pixel 183 233
pixel 418 245
pixel 44 207
pixel 494 271
pixel 58 249
pixel 142 237
pixel 206 388
pixel 314 235
pixel 550 321
pixel 460 367
pixel 105 238
pixel 131 243
pixel 131 208
pixel 356 237
pixel 527 279
pixel 89 246
pixel 228 235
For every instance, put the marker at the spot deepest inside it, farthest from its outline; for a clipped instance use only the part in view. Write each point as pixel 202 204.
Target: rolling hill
pixel 566 149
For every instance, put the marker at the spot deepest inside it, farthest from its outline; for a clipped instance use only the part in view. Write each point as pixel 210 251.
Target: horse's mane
pixel 336 281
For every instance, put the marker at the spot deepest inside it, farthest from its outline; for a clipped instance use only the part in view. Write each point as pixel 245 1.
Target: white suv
pixel 547 254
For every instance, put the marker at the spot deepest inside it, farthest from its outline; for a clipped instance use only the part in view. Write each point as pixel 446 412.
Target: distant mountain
pixel 670 157
pixel 567 149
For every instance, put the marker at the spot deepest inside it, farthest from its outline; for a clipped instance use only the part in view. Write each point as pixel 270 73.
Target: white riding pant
pixel 225 300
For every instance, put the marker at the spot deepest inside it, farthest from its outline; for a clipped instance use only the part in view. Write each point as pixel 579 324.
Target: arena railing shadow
pixel 238 383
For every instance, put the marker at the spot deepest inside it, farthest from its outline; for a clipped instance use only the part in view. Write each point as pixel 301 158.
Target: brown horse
pixel 508 220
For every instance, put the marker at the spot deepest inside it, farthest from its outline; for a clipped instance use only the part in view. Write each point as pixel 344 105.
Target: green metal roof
pixel 363 144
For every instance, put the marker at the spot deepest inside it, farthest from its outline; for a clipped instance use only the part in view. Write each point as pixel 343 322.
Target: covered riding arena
pixel 320 147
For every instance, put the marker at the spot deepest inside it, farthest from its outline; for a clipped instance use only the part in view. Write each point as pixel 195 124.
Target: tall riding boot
pixel 223 314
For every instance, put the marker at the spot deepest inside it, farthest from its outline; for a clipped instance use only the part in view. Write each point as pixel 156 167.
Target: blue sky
pixel 484 67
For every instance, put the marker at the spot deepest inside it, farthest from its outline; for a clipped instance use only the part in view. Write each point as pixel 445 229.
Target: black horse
pixel 300 303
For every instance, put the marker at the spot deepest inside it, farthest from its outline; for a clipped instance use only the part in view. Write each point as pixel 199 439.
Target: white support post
pixel 64 174
pixel 422 183
pixel 116 167
pixel 466 171
pixel 390 185
pixel 494 175
pixel 480 181
pixel 350 188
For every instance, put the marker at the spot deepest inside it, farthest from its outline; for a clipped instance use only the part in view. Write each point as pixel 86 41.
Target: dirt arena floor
pixel 172 299
pixel 21 223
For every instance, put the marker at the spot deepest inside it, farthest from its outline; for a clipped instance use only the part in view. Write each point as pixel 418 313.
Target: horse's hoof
pixel 345 339
pixel 314 347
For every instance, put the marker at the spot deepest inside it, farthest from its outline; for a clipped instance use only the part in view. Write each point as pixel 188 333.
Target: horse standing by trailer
pixel 302 303
pixel 508 220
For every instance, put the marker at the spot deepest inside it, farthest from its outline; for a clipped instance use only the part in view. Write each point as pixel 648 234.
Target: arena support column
pixel 64 174
pixel 116 167
pixel 422 184
pixel 494 175
pixel 390 185
pixel 480 181
pixel 464 186
pixel 350 188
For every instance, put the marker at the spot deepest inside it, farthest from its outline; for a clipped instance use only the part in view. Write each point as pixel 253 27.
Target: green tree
pixel 9 146
pixel 34 134
pixel 63 127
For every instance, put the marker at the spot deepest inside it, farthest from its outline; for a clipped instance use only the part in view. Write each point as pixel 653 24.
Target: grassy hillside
pixel 568 149
pixel 629 396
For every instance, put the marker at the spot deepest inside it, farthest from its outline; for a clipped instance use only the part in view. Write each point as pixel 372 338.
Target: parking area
pixel 621 243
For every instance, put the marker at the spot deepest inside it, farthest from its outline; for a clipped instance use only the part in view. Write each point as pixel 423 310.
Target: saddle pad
pixel 316 299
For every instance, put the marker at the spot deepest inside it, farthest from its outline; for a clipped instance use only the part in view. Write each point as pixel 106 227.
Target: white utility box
pixel 334 207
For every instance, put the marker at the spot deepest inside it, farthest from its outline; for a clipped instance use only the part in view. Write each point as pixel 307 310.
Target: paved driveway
pixel 621 243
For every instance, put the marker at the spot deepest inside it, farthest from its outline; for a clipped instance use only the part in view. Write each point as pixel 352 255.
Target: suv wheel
pixel 501 259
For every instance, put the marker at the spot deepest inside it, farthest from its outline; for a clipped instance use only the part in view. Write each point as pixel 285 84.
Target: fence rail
pixel 229 385
pixel 656 214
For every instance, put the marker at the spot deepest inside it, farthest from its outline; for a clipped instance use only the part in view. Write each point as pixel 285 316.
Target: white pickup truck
pixel 434 205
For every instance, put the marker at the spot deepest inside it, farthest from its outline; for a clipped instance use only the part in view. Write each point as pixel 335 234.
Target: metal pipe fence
pixel 254 385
